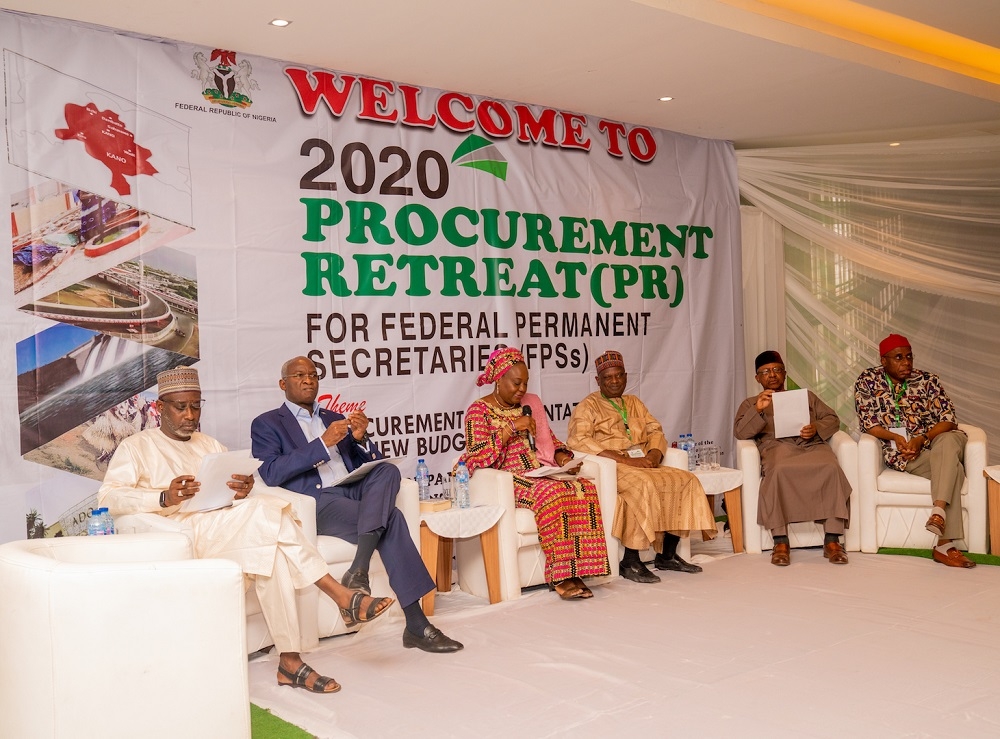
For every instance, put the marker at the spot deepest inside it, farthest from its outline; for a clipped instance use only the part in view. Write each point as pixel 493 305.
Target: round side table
pixel 439 529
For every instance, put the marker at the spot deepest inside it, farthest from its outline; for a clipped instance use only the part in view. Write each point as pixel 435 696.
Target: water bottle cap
pixel 461 464
pixel 420 460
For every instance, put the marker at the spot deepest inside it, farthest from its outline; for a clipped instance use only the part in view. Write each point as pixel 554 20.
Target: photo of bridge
pixel 135 300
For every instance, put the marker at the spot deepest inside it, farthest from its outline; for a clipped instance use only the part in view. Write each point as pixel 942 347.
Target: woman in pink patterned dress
pixel 567 512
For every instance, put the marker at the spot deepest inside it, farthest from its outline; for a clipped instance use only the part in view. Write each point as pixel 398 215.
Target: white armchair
pixel 674 457
pixel 339 554
pixel 895 505
pixel 522 562
pixel 318 616
pixel 117 624
pixel 806 534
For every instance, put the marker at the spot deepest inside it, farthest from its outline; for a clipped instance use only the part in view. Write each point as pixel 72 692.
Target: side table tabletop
pixel 437 532
pixel 729 483
pixel 992 475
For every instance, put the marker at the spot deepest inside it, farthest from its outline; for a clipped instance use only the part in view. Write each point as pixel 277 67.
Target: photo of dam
pixel 67 375
pixel 85 450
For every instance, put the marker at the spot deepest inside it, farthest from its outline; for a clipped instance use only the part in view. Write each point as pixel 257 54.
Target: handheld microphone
pixel 526 411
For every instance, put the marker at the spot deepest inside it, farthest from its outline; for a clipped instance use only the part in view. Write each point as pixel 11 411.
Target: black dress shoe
pixel 356 580
pixel 637 572
pixel 675 563
pixel 433 640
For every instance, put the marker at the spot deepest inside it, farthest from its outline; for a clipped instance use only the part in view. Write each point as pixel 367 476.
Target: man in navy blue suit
pixel 305 448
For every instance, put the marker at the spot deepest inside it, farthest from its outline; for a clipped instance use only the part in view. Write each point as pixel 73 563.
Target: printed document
pixel 215 471
pixel 791 412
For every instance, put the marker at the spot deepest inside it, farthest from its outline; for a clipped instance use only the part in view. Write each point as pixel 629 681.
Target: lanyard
pixel 896 395
pixel 622 411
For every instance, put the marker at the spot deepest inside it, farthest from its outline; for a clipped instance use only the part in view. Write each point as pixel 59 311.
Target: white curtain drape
pixel 881 239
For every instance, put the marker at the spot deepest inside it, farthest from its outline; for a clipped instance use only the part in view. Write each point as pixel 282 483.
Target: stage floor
pixel 886 646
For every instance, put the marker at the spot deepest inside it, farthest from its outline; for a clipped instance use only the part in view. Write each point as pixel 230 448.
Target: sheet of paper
pixel 364 469
pixel 791 412
pixel 216 470
pixel 553 471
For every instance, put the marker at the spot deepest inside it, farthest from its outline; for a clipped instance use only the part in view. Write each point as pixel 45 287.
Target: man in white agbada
pixel 151 471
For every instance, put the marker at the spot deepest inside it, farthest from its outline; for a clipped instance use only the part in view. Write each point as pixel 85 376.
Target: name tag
pixel 635 452
pixel 901 431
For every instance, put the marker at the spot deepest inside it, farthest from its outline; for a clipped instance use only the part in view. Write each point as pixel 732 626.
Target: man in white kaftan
pixel 152 471
pixel 259 532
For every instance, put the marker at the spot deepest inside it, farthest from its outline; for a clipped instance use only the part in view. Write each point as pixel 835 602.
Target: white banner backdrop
pixel 173 204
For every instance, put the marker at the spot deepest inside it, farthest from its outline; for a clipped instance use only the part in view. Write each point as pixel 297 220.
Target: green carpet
pixel 979 559
pixel 265 725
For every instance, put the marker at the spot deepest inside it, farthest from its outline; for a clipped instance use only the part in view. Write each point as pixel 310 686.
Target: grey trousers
pixel 943 465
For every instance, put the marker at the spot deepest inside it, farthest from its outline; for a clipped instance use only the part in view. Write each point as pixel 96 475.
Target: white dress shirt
pixel 313 427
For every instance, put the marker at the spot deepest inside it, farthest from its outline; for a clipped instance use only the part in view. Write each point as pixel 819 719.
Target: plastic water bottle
pixel 687 444
pixel 107 521
pixel 462 486
pixel 423 478
pixel 95 526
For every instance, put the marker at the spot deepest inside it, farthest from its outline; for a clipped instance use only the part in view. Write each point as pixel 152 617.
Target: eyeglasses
pixel 777 371
pixel 195 405
pixel 300 376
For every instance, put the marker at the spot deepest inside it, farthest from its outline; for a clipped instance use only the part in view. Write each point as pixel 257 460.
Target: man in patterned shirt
pixel 910 412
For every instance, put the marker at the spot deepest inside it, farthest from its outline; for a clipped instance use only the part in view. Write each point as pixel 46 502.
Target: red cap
pixel 890 342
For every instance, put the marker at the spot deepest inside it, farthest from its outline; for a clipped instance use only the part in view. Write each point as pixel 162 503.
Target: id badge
pixel 901 431
pixel 635 451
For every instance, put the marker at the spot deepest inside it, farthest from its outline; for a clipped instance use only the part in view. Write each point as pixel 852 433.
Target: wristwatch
pixel 163 499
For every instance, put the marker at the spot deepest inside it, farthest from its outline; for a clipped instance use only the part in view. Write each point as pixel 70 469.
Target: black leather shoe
pixel 675 563
pixel 637 572
pixel 356 580
pixel 433 640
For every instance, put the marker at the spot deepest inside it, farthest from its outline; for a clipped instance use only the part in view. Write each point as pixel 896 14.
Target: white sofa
pixel 318 615
pixel 895 505
pixel 121 636
pixel 757 538
pixel 522 562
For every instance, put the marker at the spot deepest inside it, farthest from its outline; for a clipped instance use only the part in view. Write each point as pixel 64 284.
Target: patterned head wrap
pixel 768 357
pixel 610 358
pixel 497 365
pixel 177 380
pixel 890 342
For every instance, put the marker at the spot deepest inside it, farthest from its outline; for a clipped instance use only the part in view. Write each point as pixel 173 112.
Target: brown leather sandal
pixel 587 592
pixel 571 589
pixel 298 680
pixel 353 615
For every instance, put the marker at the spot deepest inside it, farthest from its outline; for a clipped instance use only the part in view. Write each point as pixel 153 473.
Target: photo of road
pixel 137 300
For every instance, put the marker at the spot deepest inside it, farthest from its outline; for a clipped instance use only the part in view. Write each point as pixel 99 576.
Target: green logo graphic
pixel 479 153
